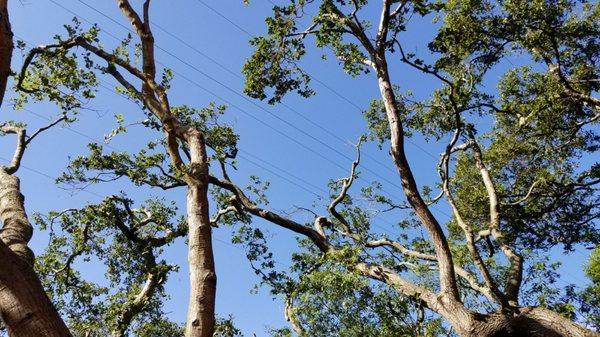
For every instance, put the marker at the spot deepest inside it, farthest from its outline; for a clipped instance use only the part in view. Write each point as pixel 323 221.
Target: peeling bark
pixel 16 230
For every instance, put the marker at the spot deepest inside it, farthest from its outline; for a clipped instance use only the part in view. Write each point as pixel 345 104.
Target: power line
pixel 38 172
pixel 328 87
pixel 82 134
pixel 212 78
pixel 46 175
pixel 120 95
pixel 225 100
pixel 235 92
pixel 301 115
pixel 233 105
pixel 304 146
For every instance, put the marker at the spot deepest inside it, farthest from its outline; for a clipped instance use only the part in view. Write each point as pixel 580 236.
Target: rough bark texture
pixel 6 47
pixel 526 322
pixel 16 230
pixel 203 279
pixel 24 306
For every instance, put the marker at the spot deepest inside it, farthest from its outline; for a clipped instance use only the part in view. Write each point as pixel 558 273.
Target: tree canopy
pixel 514 113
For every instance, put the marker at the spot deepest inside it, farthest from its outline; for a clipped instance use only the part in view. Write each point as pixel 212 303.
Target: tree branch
pixel 516 270
pixel 19 148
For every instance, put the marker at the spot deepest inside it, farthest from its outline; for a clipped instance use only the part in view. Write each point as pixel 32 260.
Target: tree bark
pixel 6 47
pixel 524 322
pixel 24 306
pixel 409 185
pixel 203 278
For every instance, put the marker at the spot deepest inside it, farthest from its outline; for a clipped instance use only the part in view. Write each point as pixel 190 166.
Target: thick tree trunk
pixel 26 310
pixel 24 306
pixel 203 279
pixel 6 47
pixel 527 322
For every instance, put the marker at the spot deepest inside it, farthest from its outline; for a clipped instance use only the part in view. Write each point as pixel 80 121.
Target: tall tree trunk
pixel 203 279
pixel 24 306
pixel 6 47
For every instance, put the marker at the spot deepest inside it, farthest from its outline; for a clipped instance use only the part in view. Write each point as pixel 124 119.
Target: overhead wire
pixel 294 140
pixel 304 146
pixel 255 163
pixel 247 99
pixel 48 176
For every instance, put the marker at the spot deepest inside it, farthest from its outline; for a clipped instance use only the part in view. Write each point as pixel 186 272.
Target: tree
pixel 515 188
pixel 127 239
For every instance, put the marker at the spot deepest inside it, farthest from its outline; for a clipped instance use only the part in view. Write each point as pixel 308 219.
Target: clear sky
pixel 298 151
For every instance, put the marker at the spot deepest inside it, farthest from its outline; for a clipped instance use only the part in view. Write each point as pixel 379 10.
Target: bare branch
pixel 382 30
pixel 443 169
pixel 347 183
pixel 524 198
pixel 290 316
pixel 243 203
pixel 222 212
pixel 44 128
pixel 19 148
pixel 471 280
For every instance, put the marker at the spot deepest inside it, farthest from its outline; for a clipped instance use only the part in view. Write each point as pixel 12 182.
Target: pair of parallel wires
pixel 255 161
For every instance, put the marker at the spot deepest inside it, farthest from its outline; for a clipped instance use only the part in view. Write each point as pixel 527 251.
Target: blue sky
pixel 305 146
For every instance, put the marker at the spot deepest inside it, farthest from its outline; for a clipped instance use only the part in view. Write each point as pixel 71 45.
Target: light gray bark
pixel 203 278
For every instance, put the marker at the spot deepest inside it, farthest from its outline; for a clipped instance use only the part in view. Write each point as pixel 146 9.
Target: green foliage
pixel 225 327
pixel 128 242
pixel 536 126
pixel 147 167
pixel 533 132
pixel 275 63
pixel 58 77
pixel 590 296
pixel 332 301
pixel 221 138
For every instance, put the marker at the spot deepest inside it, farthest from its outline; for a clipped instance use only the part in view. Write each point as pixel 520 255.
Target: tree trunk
pixel 24 306
pixel 526 322
pixel 6 47
pixel 203 279
pixel 440 244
